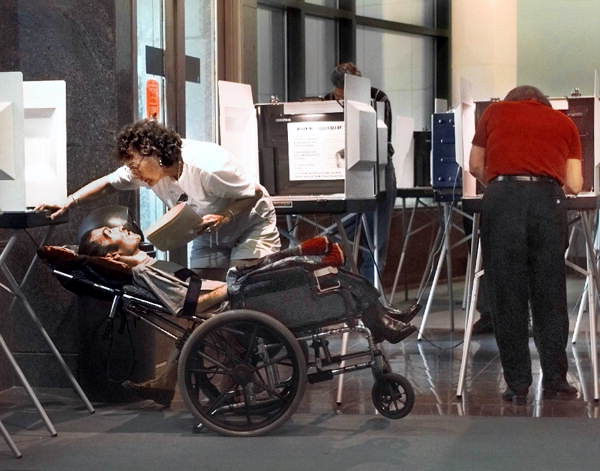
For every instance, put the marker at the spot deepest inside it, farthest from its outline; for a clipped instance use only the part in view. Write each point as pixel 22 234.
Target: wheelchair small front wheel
pixel 242 373
pixel 393 396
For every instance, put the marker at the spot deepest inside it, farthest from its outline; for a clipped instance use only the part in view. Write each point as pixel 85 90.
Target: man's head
pixel 527 92
pixel 104 241
pixel 151 150
pixel 337 77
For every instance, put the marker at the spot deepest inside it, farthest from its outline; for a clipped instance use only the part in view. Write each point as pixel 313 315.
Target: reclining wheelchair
pixel 243 370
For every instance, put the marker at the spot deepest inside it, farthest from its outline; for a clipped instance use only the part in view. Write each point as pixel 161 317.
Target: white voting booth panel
pixel 382 151
pixel 237 125
pixel 7 152
pixel 45 104
pixel 361 141
pixel 361 145
pixel 404 162
pixel 33 151
pixel 464 115
pixel 12 189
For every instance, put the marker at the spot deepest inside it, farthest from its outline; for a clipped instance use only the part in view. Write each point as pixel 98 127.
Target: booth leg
pixel 28 388
pixel 440 264
pixel 9 441
pixel 592 298
pixel 469 326
pixel 19 293
pixel 582 306
pixel 403 252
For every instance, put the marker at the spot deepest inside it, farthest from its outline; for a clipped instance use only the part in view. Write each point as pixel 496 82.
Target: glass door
pixel 176 76
pixel 151 83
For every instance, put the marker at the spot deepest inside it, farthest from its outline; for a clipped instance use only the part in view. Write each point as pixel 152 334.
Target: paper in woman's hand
pixel 175 228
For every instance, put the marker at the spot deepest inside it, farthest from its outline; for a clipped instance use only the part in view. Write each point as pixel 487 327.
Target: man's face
pixel 127 242
pixel 338 93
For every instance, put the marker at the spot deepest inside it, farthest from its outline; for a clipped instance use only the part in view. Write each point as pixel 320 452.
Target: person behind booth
pixel 528 154
pixel 385 200
pixel 160 277
pixel 238 223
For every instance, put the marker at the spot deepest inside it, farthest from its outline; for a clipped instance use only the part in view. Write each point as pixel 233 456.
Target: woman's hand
pixel 92 190
pixel 211 223
pixel 56 210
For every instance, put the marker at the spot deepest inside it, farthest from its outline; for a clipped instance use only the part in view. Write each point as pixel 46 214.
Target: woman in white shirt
pixel 238 220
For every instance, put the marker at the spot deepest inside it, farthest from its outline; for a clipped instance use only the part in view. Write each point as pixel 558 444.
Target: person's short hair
pixel 87 246
pixel 527 92
pixel 337 76
pixel 149 137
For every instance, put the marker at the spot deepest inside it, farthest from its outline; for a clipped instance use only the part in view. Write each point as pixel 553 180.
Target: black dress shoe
pixel 404 316
pixel 146 391
pixel 395 336
pixel 385 327
pixel 517 396
pixel 561 390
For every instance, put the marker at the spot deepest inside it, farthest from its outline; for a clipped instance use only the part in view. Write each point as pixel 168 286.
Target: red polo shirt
pixel 526 138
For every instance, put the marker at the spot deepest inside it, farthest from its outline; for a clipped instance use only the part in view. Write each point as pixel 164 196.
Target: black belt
pixel 525 178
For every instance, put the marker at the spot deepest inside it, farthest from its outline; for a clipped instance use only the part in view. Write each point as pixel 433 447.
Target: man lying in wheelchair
pixel 244 359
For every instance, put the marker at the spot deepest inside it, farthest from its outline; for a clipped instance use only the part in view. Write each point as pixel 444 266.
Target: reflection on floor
pixel 432 366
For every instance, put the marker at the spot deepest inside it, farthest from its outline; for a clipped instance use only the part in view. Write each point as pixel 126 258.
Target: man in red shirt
pixel 527 153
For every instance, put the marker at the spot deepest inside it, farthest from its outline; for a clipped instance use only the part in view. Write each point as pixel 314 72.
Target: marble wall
pixel 87 44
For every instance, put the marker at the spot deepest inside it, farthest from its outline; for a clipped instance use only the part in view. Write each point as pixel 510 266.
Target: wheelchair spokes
pixel 242 375
pixel 393 395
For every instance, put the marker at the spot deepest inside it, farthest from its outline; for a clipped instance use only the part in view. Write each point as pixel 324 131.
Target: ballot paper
pixel 316 150
pixel 175 228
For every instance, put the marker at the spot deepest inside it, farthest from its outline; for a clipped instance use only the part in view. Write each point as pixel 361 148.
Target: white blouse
pixel 212 181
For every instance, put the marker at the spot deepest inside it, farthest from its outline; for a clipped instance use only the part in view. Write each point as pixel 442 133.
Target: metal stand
pixel 593 283
pixel 408 229
pixel 9 441
pixel 15 289
pixel 445 256
pixel 473 287
pixel 583 301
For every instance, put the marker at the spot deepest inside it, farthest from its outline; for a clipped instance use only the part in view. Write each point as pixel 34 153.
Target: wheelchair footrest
pixel 320 376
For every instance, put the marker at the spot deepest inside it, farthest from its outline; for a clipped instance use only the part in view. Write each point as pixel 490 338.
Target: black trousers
pixel 524 237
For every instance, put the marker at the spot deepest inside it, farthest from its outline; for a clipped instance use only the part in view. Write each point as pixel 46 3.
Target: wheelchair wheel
pixel 393 396
pixel 242 373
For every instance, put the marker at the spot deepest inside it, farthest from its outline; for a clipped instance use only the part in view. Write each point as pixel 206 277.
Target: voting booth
pixel 33 142
pixel 308 149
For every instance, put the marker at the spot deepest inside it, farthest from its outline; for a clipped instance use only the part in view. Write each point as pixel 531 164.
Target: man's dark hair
pixel 527 92
pixel 94 249
pixel 149 137
pixel 337 76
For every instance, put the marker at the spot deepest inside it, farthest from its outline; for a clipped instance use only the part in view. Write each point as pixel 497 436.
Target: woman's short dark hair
pixel 92 248
pixel 337 76
pixel 149 137
pixel 527 92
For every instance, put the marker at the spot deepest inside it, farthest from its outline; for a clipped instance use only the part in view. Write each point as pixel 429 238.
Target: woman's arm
pixel 237 207
pixel 573 176
pixel 88 192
